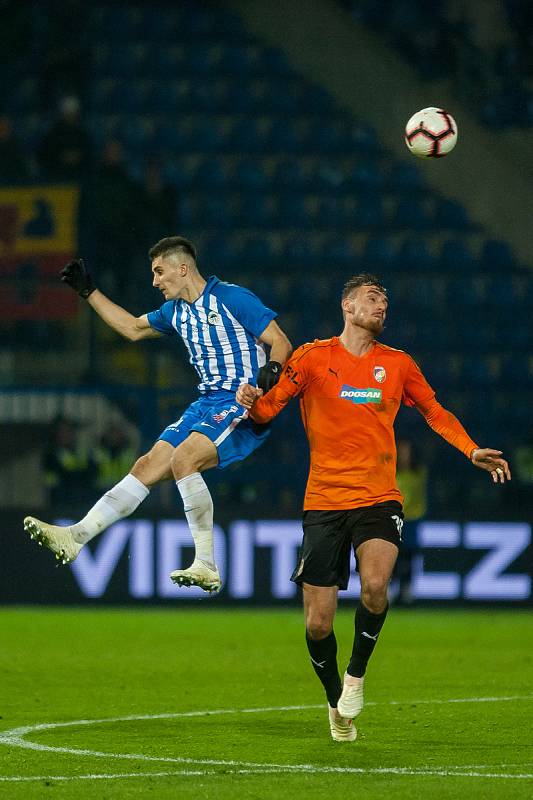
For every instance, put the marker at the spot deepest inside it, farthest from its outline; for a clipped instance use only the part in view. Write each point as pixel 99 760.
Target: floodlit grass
pixel 61 666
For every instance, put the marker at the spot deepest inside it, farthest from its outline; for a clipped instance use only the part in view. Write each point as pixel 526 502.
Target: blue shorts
pixel 225 422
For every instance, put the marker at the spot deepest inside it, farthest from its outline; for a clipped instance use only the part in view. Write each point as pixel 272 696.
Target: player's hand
pixel 247 395
pixel 78 278
pixel 268 376
pixel 491 461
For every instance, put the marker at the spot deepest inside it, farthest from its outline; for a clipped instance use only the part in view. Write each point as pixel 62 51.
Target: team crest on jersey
pixel 213 318
pixel 380 374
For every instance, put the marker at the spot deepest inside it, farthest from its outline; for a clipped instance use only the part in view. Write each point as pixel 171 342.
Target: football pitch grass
pixel 221 703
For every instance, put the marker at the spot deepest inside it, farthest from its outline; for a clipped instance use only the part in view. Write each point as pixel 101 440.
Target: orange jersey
pixel 348 406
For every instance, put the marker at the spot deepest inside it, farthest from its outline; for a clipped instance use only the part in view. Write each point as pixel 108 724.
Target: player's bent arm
pixel 124 323
pixel 275 338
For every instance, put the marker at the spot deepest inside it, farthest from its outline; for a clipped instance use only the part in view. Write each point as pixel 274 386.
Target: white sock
pixel 198 507
pixel 118 502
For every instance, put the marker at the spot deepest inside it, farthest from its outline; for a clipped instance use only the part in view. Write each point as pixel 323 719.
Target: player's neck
pixel 357 341
pixel 193 288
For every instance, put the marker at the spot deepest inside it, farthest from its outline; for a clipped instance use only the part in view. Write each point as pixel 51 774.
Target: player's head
pixel 364 302
pixel 173 263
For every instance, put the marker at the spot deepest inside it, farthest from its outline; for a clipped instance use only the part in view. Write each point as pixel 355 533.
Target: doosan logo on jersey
pixel 360 395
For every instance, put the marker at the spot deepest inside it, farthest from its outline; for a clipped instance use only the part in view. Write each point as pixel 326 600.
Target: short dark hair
pixel 172 244
pixel 364 279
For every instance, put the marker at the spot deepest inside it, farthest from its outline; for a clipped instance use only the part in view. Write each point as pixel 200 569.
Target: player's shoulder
pixel 319 348
pixel 392 352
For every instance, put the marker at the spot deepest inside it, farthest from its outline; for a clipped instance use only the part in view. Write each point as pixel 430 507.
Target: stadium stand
pixel 286 192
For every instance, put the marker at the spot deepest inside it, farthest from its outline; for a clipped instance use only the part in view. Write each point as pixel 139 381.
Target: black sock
pixel 367 628
pixel 323 654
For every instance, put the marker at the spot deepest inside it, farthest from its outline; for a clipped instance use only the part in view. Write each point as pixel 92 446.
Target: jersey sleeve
pixel 246 307
pixel 161 319
pixel 295 377
pixel 417 392
pixel 416 389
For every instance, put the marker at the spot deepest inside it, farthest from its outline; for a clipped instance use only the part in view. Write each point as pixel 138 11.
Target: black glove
pixel 268 376
pixel 75 274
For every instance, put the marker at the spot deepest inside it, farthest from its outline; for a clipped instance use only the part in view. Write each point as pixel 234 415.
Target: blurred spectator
pixel 69 470
pixel 65 150
pixel 157 205
pixel 64 36
pixel 14 166
pixel 115 221
pixel 114 456
pixel 412 479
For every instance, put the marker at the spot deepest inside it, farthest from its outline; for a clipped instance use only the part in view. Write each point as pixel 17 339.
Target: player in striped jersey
pixel 350 388
pixel 227 331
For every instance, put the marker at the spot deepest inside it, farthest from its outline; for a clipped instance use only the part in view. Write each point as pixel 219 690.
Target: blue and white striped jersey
pixel 220 330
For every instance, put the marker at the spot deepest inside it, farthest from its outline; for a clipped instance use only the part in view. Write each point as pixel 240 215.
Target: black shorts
pixel 328 536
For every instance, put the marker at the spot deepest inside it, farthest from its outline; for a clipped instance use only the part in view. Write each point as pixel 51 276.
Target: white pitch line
pixel 435 772
pixel 14 738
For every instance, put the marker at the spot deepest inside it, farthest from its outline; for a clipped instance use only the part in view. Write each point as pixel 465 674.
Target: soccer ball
pixel 431 133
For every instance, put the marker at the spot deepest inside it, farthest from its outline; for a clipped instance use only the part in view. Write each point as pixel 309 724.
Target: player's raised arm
pixel 76 275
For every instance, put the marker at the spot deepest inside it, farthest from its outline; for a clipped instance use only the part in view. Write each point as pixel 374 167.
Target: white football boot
pixel 351 700
pixel 198 574
pixel 59 540
pixel 342 730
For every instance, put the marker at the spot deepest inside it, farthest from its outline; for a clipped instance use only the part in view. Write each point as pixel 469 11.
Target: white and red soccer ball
pixel 431 133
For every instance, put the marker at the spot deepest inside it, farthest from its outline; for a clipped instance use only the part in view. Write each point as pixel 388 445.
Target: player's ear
pixel 347 305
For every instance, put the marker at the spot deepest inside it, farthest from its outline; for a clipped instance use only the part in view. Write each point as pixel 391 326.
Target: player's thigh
pixel 154 466
pixel 195 454
pixel 320 605
pixel 376 559
pixel 324 558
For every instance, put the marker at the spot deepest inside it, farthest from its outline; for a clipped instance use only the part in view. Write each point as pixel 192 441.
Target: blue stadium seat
pixel 299 250
pixel 214 210
pixel 257 251
pixel 367 175
pixel 363 138
pixel 450 214
pixel 221 252
pixel 497 256
pixel 165 61
pixel 272 61
pixel 379 253
pixel 405 177
pixel 256 210
pixel 332 212
pixel 210 174
pixel 238 60
pixel 414 255
pixel 369 212
pixel 339 251
pixel 293 211
pixel 284 136
pixel 250 135
pixel 467 290
pixel 208 135
pixel 411 213
pixel 456 256
pixel 291 173
pixel 250 174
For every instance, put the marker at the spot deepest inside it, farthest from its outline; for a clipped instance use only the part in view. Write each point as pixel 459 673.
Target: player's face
pixel 169 276
pixel 367 308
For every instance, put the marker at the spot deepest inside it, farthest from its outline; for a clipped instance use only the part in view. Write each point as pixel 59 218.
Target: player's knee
pixel 374 593
pixel 318 626
pixel 184 461
pixel 149 470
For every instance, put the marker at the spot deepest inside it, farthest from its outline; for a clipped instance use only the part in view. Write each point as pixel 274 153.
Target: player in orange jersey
pixel 350 389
